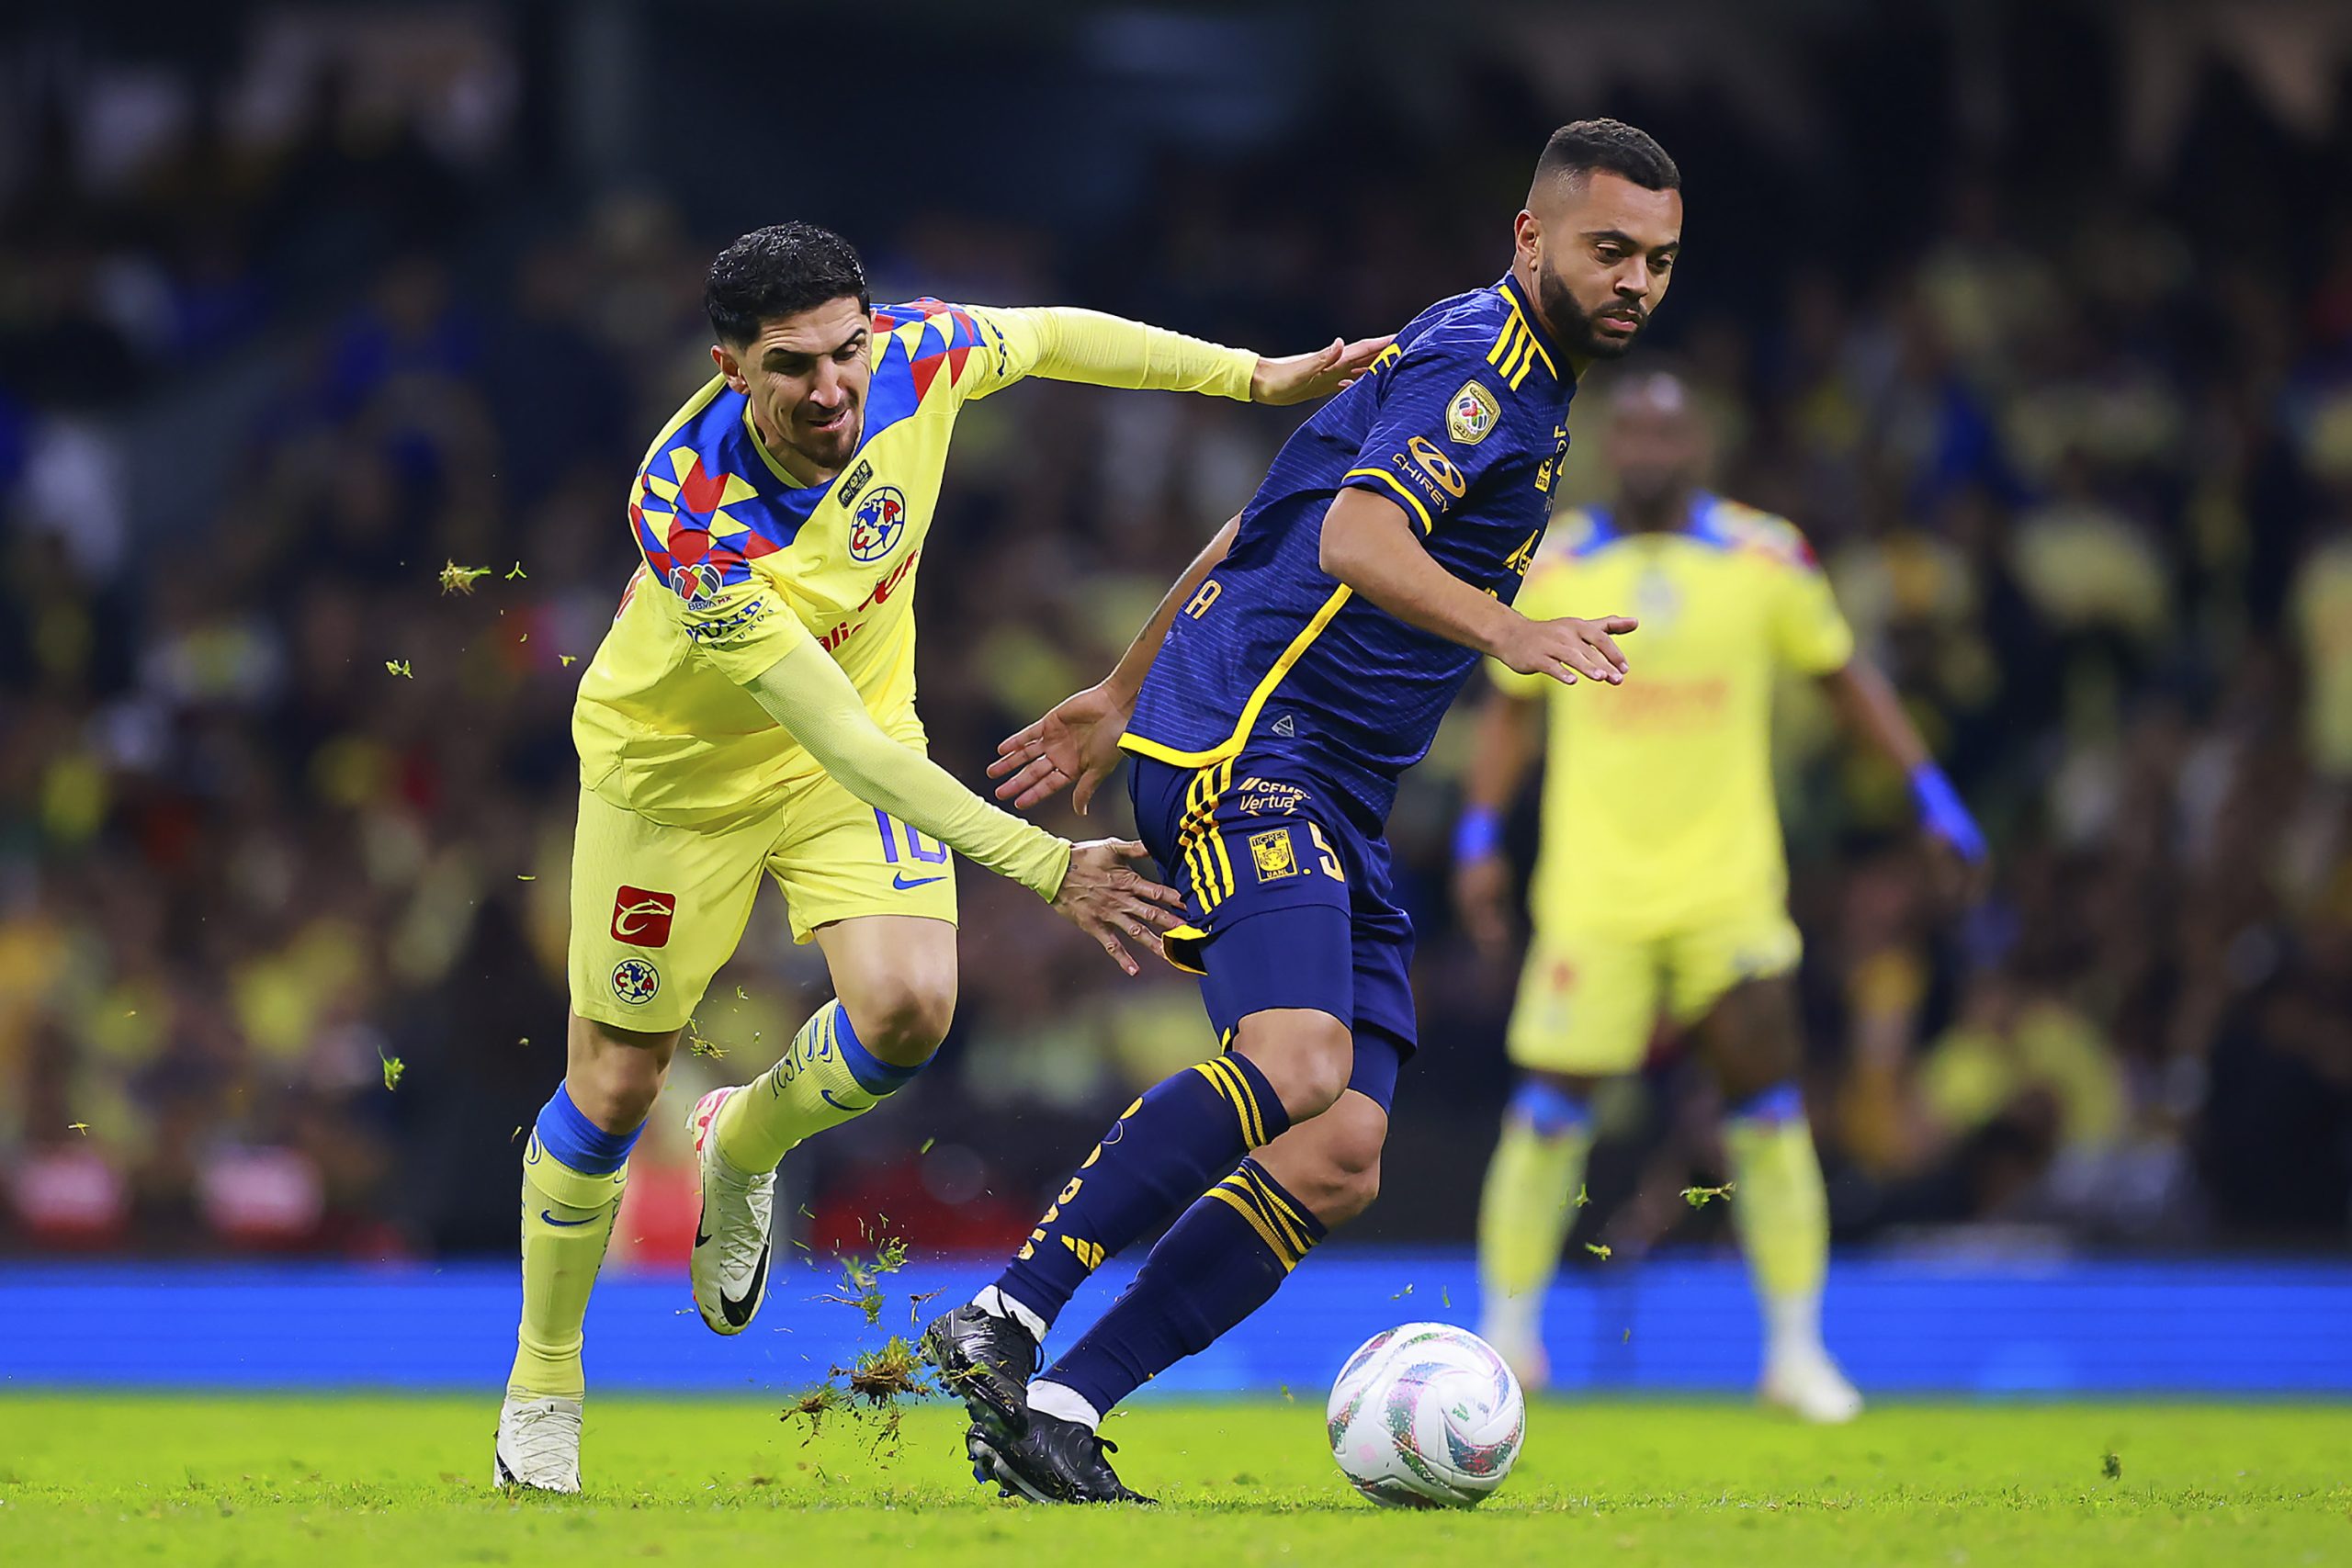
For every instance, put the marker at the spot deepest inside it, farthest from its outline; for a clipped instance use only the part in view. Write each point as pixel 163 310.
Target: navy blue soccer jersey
pixel 1462 422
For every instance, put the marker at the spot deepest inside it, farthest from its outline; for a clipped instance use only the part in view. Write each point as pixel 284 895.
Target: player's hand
pixel 1301 378
pixel 1482 902
pixel 1076 743
pixel 1569 648
pixel 1106 900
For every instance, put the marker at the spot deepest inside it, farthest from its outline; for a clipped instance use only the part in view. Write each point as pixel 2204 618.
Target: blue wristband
pixel 1478 834
pixel 1942 814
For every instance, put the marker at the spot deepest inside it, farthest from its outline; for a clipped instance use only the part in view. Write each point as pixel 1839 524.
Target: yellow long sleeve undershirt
pixel 1073 344
pixel 807 694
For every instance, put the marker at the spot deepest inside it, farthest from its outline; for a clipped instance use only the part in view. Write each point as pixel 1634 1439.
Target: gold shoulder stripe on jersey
pixel 1533 346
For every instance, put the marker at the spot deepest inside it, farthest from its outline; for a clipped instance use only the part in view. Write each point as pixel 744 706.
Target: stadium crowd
pixel 283 810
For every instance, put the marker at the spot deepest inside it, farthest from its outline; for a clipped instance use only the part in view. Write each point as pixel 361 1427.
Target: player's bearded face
pixel 807 377
pixel 1603 251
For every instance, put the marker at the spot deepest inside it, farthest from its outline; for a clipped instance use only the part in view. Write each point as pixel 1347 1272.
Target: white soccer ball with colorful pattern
pixel 1426 1416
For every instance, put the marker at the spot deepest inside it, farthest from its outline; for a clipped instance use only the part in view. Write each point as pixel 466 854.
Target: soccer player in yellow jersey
pixel 1660 888
pixel 752 715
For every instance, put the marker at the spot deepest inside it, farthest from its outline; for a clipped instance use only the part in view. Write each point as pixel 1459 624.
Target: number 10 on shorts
pixel 918 850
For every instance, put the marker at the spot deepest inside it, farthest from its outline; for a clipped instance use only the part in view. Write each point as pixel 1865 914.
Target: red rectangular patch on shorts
pixel 641 918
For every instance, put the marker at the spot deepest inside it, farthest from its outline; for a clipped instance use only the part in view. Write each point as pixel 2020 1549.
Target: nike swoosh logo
pixel 829 1099
pixel 737 1310
pixel 553 1221
pixel 902 882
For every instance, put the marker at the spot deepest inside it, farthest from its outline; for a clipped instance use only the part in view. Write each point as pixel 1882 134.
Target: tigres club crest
pixel 635 981
pixel 878 521
pixel 1471 414
pixel 1271 855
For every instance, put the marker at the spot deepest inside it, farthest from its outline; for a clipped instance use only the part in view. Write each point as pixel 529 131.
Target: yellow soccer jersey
pixel 1658 807
pixel 742 563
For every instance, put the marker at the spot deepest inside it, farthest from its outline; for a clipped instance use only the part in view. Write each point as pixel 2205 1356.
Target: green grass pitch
pixel 367 1480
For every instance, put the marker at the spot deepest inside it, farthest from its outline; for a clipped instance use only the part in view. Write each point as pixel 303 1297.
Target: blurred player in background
pixel 1661 887
pixel 1299 667
pixel 752 714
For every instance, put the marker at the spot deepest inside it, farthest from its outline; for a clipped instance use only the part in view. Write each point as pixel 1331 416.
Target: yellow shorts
pixel 657 908
pixel 1589 1001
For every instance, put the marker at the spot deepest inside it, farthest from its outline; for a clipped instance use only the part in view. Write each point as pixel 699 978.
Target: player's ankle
pixel 1063 1404
pixel 994 1301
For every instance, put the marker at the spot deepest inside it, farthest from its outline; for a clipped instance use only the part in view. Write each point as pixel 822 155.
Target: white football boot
pixel 736 1232
pixel 1808 1384
pixel 539 1445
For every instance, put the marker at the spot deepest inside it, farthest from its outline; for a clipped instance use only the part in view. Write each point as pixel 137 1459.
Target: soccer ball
pixel 1426 1416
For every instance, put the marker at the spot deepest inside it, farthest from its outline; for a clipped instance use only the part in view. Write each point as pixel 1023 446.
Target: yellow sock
pixel 1782 1213
pixel 567 1221
pixel 825 1077
pixel 1524 1215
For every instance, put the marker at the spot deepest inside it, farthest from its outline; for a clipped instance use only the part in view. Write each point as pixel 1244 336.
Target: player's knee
pixel 1753 1040
pixel 614 1075
pixel 1553 1105
pixel 902 1018
pixel 1306 1054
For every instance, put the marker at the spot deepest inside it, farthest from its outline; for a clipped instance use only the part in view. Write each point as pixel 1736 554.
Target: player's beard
pixel 832 449
pixel 1572 324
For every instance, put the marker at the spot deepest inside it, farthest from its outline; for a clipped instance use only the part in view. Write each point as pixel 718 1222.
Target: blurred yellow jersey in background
pixel 1660 814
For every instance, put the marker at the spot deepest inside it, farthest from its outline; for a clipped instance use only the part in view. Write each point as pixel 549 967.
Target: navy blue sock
pixel 1165 1146
pixel 1218 1264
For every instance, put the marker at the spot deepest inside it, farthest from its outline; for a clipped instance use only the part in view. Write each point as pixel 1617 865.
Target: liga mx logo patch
pixel 1471 414
pixel 636 982
pixel 1270 853
pixel 698 585
pixel 641 918
pixel 880 519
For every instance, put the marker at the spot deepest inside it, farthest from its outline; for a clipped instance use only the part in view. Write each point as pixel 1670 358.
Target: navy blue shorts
pixel 1286 902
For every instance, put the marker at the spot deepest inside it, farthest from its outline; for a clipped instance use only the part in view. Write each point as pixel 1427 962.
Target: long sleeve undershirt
pixel 807 694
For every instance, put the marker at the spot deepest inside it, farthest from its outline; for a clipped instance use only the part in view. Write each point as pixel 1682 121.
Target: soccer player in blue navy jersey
pixel 1299 666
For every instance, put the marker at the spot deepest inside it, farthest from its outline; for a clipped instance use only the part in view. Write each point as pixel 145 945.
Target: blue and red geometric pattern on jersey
pixel 949 336
pixel 700 518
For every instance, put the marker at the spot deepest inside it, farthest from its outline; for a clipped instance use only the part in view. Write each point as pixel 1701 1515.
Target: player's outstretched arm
pixel 1866 701
pixel 1369 544
pixel 1089 884
pixel 1065 344
pixel 1077 742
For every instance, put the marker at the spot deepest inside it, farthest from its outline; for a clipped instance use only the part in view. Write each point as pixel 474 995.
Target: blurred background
pixel 2036 317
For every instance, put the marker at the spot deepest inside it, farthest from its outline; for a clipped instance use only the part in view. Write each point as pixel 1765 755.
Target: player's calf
pixel 1222 1261
pixel 1332 1165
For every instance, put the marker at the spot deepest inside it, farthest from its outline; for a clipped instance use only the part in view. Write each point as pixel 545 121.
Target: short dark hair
pixel 1609 146
pixel 780 270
